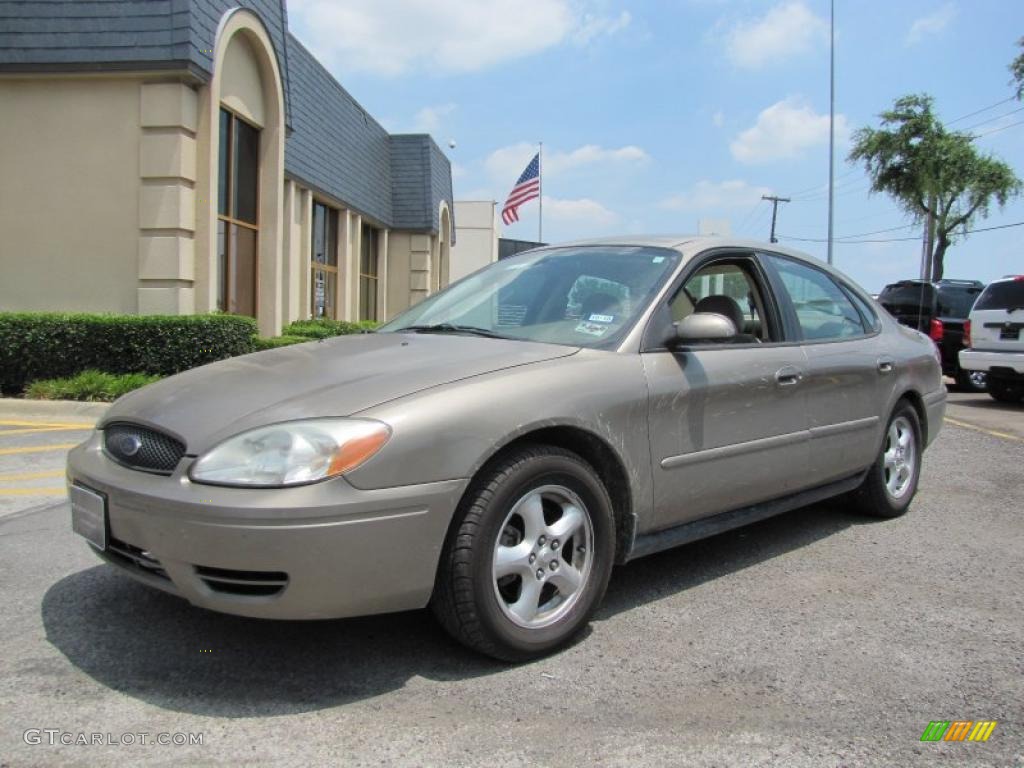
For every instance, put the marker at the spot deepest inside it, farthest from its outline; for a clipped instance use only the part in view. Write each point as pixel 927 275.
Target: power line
pixel 993 119
pixel 979 111
pixel 997 130
pixel 894 239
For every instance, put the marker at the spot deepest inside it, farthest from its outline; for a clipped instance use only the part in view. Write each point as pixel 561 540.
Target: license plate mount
pixel 89 515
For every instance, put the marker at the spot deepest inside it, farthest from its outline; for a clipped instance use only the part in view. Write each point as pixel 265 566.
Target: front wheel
pixel 891 483
pixel 529 560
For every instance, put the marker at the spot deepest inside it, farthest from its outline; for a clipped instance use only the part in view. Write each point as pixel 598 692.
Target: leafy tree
pixel 929 170
pixel 1017 70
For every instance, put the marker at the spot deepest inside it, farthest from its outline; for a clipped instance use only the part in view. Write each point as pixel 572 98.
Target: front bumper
pixel 325 550
pixel 1006 362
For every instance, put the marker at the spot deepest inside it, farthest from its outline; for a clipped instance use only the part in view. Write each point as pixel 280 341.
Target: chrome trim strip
pixel 844 426
pixel 736 449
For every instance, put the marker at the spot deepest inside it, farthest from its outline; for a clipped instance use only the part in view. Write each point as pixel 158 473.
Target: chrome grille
pixel 142 448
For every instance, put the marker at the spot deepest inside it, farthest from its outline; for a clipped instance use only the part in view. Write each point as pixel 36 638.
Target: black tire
pixel 467 594
pixel 874 496
pixel 971 381
pixel 1005 391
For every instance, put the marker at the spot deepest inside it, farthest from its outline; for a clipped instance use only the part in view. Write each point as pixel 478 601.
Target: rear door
pixel 997 320
pixel 850 371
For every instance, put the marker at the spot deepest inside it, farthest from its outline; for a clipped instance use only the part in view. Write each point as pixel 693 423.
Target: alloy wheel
pixel 543 556
pixel 899 460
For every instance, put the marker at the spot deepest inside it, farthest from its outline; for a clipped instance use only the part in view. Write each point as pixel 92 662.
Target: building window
pixel 325 261
pixel 237 215
pixel 368 274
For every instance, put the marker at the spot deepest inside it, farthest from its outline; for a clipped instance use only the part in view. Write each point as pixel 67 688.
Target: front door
pixel 727 421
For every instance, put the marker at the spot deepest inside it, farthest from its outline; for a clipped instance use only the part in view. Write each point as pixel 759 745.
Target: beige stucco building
pixel 194 156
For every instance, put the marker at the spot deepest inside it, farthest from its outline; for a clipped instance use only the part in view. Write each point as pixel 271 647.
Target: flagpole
pixel 540 193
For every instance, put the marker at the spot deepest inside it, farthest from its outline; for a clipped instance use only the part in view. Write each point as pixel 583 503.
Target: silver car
pixel 496 449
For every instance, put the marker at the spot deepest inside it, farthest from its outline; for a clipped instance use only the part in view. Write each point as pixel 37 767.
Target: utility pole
pixel 929 239
pixel 775 208
pixel 831 120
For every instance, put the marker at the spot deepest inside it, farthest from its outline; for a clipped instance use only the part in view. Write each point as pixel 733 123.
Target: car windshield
pixel 585 296
pixel 1007 294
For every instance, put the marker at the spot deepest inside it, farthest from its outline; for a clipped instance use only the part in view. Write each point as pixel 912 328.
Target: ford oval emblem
pixel 129 445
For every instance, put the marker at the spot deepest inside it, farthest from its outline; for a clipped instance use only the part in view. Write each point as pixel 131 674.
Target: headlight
pixel 291 453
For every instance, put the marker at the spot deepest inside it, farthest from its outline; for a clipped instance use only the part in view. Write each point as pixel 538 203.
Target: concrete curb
pixel 15 409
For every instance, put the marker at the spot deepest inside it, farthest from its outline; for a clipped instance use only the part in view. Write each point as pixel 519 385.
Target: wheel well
pixel 917 402
pixel 602 458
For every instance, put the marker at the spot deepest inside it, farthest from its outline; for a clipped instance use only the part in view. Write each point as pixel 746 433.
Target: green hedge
pixel 324 329
pixel 262 342
pixel 51 345
pixel 89 385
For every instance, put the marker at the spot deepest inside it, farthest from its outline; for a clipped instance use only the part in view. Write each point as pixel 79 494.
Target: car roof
pixel 688 244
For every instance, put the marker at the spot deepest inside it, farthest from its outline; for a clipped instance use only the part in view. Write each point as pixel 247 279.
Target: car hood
pixel 335 377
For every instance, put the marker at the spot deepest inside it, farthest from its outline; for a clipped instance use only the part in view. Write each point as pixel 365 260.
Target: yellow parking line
pixel 33 431
pixel 31 475
pixel 61 424
pixel 966 425
pixel 36 449
pixel 32 491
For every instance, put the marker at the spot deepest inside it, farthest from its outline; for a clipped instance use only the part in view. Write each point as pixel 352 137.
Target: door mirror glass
pixel 702 326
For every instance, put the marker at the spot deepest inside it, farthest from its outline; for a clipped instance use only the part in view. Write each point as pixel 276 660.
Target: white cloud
pixel 581 211
pixel 783 131
pixel 430 119
pixel 932 24
pixel 505 164
pixel 709 196
pixel 593 26
pixel 389 37
pixel 788 29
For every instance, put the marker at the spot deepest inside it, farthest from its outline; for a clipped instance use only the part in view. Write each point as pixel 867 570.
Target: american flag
pixel 526 189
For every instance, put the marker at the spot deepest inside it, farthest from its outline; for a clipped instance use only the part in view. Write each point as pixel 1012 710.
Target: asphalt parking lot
pixel 816 638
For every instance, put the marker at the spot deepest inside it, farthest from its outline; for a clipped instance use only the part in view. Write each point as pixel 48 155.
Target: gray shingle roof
pixel 333 145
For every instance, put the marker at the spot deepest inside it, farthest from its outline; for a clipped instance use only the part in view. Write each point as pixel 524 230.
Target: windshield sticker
pixel 602 318
pixel 658 259
pixel 591 329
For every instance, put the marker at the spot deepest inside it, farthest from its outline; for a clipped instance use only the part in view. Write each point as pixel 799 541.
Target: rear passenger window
pixel 823 310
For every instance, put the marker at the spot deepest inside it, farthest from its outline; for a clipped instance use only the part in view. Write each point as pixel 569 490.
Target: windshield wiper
pixel 452 328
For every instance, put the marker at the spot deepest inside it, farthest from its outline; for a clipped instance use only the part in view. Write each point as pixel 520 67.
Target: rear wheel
pixel 530 559
pixel 1005 391
pixel 891 483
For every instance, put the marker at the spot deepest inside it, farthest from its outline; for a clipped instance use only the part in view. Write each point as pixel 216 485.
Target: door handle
pixel 787 376
pixel 886 365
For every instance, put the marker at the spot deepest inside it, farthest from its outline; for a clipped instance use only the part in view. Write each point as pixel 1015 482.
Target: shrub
pixel 89 385
pixel 51 345
pixel 261 342
pixel 323 328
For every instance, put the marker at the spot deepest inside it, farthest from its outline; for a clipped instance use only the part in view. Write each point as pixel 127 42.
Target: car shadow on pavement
pixel 676 570
pixel 158 648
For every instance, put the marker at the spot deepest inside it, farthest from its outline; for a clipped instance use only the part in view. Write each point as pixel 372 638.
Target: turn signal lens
pixel 967 333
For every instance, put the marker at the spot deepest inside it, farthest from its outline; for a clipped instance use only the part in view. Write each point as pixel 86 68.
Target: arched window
pixel 238 215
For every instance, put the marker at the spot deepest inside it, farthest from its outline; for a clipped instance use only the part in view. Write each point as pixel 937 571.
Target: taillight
pixel 935 329
pixel 967 333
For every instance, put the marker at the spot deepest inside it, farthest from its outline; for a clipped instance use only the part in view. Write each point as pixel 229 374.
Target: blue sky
pixel 657 114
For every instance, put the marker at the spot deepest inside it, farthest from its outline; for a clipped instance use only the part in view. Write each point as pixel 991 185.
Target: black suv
pixel 939 309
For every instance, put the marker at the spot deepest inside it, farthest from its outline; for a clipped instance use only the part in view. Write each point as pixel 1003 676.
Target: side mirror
pixel 702 326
